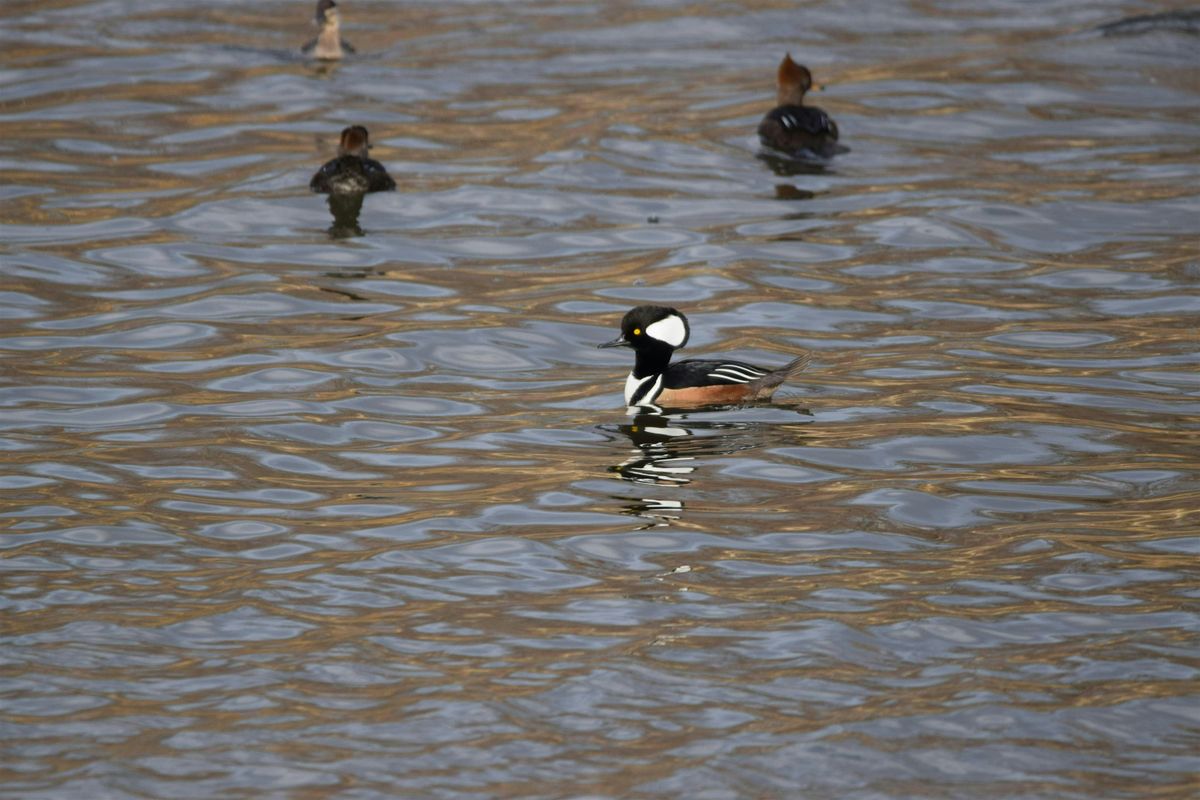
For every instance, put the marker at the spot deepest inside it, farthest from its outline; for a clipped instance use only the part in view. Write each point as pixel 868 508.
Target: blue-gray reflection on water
pixel 344 502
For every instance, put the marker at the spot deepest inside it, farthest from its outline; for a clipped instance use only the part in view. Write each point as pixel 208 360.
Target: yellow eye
pixel 637 331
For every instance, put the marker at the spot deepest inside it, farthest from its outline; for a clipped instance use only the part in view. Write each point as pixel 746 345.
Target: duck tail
pixel 764 387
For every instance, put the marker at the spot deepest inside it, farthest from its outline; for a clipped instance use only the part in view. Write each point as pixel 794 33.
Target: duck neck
pixel 329 41
pixel 790 96
pixel 652 360
pixel 645 382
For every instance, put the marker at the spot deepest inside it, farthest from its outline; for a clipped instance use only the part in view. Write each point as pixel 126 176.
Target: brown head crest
pixel 355 141
pixel 793 80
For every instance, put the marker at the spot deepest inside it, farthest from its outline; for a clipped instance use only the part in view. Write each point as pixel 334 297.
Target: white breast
pixel 634 388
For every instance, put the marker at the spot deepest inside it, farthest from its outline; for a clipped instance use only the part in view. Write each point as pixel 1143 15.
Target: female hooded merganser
pixel 791 126
pixel 352 172
pixel 329 45
pixel 654 333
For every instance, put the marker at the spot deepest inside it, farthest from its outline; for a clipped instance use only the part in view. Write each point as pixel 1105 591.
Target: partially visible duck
pixel 329 45
pixel 352 172
pixel 792 127
pixel 1181 21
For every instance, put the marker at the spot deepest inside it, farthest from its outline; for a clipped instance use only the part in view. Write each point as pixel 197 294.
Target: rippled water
pixel 291 511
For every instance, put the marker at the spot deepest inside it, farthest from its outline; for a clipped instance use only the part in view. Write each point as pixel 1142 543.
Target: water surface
pixel 295 508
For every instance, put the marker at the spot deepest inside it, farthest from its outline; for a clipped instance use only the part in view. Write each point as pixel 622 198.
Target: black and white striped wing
pixel 804 120
pixel 378 179
pixel 695 372
pixel 735 372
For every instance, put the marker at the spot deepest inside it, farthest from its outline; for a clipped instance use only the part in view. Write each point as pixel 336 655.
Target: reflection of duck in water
pixel 655 460
pixel 668 450
pixel 352 172
pixel 654 333
pixel 345 209
pixel 329 45
pixel 792 127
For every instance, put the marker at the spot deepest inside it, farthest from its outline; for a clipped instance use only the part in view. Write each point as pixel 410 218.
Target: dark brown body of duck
pixel 792 127
pixel 352 172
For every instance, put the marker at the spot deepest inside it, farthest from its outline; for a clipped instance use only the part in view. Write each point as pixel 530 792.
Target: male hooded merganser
pixel 352 172
pixel 791 126
pixel 329 45
pixel 654 333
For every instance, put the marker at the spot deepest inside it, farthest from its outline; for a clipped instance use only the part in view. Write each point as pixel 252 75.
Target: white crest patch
pixel 671 329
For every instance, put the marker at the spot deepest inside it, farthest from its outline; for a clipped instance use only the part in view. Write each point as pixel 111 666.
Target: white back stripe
pixel 736 373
